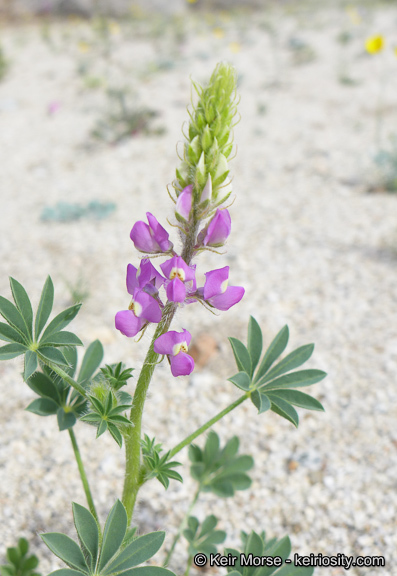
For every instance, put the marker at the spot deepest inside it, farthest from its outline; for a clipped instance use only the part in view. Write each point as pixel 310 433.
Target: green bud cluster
pixel 209 140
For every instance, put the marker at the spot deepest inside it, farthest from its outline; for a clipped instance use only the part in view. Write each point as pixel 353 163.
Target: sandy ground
pixel 311 246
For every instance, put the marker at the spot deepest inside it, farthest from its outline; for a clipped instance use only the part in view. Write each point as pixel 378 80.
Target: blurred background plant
pixel 3 63
pixel 123 119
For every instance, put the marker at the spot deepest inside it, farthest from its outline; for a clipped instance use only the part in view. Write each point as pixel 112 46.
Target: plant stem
pixel 83 475
pixel 189 565
pixel 133 436
pixel 55 368
pixel 204 427
pixel 181 527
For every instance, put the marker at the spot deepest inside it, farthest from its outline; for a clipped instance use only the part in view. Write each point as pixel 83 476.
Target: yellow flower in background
pixel 114 27
pixel 374 44
pixel 83 46
pixel 218 32
pixel 395 51
pixel 354 15
pixel 235 47
pixel 191 1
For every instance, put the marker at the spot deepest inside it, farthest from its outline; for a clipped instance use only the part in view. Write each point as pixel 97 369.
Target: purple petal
pixel 159 233
pixel 214 281
pixel 177 266
pixel 149 307
pixel 228 299
pixel 147 273
pixel 142 239
pixel 218 229
pixel 184 202
pixel 128 323
pixel 182 364
pixel 165 343
pixel 132 281
pixel 176 291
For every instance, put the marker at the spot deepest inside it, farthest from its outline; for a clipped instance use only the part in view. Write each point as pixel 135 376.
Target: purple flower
pixel 175 346
pixel 150 238
pixel 145 277
pixel 184 203
pixel 217 230
pixel 143 309
pixel 181 278
pixel 217 292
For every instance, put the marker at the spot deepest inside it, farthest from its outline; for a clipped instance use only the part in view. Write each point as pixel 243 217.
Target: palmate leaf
pixel 20 564
pixel 30 365
pixel 10 334
pixel 206 538
pixel 62 338
pixel 257 545
pixel 61 320
pixel 220 471
pixel 10 351
pixel 271 388
pixel 119 551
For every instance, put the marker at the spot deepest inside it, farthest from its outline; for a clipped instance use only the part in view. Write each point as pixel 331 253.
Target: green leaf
pixel 115 433
pixel 290 362
pixel 260 401
pixel 14 556
pixel 140 550
pixel 195 453
pixel 70 354
pixel 91 417
pixel 275 350
pixel 29 564
pixel 61 339
pixel 113 534
pixel 62 320
pixel 65 419
pixel 224 489
pixel 211 447
pixel 91 361
pixel 42 407
pixel 87 530
pixel 241 355
pixel 53 355
pixel 254 343
pixel 13 317
pixel 148 571
pixel 254 545
pixel 231 448
pixel 241 380
pixel 298 379
pixel 65 572
pixel 23 546
pixel 30 364
pixel 7 570
pixel 103 426
pixel 9 334
pixel 299 399
pixel 23 303
pixel 283 409
pixel 10 351
pixel 45 307
pixel 43 386
pixel 291 570
pixel 66 549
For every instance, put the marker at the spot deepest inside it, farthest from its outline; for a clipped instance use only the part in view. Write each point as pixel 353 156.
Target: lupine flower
pixel 184 203
pixel 217 230
pixel 374 44
pixel 217 292
pixel 181 278
pixel 145 277
pixel 150 238
pixel 142 310
pixel 175 346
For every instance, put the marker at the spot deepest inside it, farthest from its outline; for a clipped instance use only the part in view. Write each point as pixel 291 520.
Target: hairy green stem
pixel 83 475
pixel 132 480
pixel 181 528
pixel 189 439
pixel 55 368
pixel 189 565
